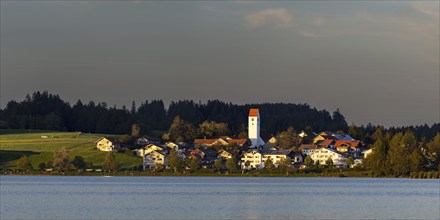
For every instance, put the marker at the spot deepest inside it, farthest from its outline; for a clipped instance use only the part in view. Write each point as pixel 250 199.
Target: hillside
pixel 40 145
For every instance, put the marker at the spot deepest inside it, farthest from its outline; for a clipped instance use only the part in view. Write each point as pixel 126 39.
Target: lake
pixel 75 197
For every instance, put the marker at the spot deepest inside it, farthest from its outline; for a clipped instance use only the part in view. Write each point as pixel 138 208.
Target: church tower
pixel 254 128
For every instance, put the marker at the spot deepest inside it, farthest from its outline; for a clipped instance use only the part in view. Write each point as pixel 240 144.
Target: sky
pixel 377 61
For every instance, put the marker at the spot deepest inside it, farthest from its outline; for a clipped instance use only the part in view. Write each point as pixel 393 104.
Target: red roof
pixel 253 112
pixel 352 144
pixel 237 141
pixel 204 141
pixel 306 146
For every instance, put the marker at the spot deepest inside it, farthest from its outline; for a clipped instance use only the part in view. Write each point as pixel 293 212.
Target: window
pixel 252 119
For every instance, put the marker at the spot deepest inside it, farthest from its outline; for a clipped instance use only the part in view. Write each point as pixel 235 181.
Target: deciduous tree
pixel 24 163
pixel 218 163
pixel 309 162
pixel 195 164
pixel 110 162
pixel 287 139
pixel 61 160
pixel 231 164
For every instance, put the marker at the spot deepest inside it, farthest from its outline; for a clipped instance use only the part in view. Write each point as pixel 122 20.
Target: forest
pixel 46 111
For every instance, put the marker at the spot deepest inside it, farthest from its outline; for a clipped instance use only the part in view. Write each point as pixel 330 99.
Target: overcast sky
pixel 377 61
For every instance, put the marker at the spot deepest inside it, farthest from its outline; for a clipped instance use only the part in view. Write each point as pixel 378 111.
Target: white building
pixel 367 153
pixel 107 144
pixel 323 154
pixel 154 158
pixel 147 149
pixel 254 128
pixel 276 156
pixel 307 149
pixel 255 159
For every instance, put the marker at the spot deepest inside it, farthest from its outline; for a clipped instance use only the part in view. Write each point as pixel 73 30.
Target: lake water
pixel 53 197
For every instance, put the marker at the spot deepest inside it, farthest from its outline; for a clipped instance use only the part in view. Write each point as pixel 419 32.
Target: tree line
pixel 401 154
pixel 46 111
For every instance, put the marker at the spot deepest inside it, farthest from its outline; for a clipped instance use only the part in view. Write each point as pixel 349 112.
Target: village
pixel 326 148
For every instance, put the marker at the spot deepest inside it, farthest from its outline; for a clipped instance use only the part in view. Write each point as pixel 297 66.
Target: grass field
pixel 40 145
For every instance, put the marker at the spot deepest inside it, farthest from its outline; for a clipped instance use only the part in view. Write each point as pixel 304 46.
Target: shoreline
pixel 350 174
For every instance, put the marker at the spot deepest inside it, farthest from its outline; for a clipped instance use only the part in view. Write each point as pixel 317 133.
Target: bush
pixel 42 166
pixel 24 163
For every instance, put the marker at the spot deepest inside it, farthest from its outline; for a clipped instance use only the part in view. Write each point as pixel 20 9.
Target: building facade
pixel 254 128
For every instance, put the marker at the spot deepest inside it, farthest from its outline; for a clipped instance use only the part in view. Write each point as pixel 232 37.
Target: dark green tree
pixel 354 132
pixel 42 166
pixel 79 163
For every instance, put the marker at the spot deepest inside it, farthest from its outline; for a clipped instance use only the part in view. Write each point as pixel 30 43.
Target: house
pixel 348 146
pixel 254 158
pixel 276 156
pixel 302 134
pixel 270 144
pixel 323 154
pixel 209 158
pixel 149 148
pixel 153 159
pixel 196 153
pixel 357 163
pixel 222 141
pixel 307 149
pixel 296 157
pixel 224 154
pixel 206 156
pixel 177 145
pixel 323 137
pixel 327 143
pixel 108 144
pixel 367 153
pixel 142 141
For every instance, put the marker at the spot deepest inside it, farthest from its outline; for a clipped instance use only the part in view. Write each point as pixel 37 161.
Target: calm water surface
pixel 41 197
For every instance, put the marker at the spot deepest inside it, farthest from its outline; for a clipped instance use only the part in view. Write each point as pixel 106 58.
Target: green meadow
pixel 40 145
